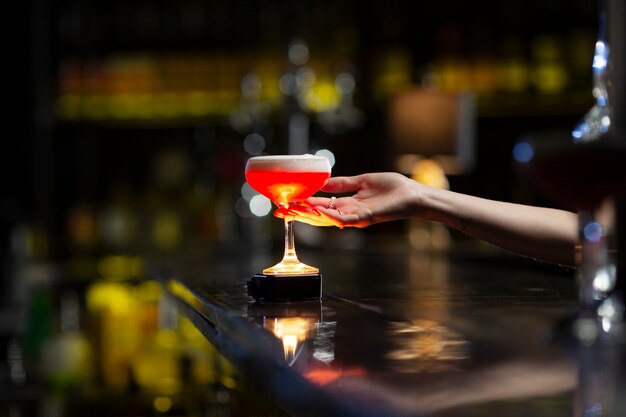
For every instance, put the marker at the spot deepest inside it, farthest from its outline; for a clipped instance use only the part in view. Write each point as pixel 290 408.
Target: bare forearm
pixel 537 232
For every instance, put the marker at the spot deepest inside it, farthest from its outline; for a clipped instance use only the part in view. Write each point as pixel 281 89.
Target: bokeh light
pixel 593 232
pixel 247 192
pixel 260 205
pixel 523 152
pixel 298 52
pixel 254 144
pixel 328 154
pixel 345 83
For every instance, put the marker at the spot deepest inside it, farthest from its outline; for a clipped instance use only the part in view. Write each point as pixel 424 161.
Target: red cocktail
pixel 285 187
pixel 288 180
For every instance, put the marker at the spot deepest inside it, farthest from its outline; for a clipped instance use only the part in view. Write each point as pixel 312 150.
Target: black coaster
pixel 285 287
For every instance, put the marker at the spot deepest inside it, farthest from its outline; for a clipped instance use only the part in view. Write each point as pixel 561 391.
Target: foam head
pixel 290 163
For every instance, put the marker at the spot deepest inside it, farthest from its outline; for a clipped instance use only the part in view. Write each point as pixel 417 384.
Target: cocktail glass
pixel 288 180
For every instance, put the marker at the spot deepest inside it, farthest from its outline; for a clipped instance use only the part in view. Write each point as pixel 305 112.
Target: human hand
pixel 379 197
pixel 306 213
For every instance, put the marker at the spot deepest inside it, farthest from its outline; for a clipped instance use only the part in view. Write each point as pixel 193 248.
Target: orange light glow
pixel 326 376
pixel 425 346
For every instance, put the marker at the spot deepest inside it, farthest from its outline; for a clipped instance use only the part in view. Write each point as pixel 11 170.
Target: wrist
pixel 432 204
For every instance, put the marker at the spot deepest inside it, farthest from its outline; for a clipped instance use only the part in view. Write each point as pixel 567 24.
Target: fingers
pixel 318 201
pixel 342 185
pixel 346 220
pixel 322 216
pixel 343 213
pixel 308 215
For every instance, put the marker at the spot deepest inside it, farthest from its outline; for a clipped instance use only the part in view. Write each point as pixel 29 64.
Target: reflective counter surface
pixel 406 333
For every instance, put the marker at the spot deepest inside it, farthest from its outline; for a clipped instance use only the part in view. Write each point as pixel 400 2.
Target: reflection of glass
pixel 292 331
pixel 288 180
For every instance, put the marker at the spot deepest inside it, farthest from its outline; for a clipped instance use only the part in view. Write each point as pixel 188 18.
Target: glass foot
pixel 291 268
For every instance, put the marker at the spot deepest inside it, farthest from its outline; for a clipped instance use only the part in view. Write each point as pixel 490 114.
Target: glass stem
pixel 290 246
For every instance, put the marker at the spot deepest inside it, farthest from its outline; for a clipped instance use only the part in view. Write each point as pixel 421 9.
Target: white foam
pixel 292 163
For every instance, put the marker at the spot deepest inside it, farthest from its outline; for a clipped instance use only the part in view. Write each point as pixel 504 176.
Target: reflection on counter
pixel 300 326
pixel 426 346
pixel 418 367
pixel 292 331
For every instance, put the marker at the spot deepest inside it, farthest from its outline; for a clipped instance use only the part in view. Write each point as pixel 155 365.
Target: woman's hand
pixel 376 198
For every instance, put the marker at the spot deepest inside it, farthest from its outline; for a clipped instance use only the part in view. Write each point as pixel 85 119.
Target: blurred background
pixel 127 129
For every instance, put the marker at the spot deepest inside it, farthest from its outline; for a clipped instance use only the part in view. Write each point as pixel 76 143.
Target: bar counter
pixel 401 332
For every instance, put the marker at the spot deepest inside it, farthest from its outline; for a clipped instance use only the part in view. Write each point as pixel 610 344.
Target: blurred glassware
pixel 586 170
pixel 597 120
pixel 597 274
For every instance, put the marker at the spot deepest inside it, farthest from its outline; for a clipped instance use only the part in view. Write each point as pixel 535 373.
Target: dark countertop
pixel 405 333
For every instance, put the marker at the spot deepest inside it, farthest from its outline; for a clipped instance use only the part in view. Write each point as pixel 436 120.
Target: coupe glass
pixel 288 180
